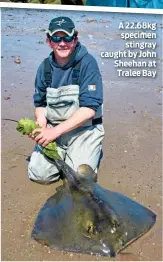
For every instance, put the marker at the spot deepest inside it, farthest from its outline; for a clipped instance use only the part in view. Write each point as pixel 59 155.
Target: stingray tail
pixel 68 173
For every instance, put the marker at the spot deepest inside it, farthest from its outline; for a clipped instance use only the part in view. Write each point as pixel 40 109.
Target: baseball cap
pixel 61 24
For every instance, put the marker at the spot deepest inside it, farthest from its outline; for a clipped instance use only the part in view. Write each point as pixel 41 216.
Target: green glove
pixel 26 126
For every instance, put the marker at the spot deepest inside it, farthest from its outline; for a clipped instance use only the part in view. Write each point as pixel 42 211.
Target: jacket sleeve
pixel 91 87
pixel 39 96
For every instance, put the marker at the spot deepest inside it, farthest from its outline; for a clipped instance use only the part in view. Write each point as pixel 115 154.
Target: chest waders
pixel 79 146
pixel 71 91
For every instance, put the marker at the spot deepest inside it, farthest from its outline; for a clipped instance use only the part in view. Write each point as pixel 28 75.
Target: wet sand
pixel 132 161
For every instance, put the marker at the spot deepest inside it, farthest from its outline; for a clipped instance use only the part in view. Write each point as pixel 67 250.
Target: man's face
pixel 62 49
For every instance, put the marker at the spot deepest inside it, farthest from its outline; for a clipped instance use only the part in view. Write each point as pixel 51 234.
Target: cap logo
pixel 60 22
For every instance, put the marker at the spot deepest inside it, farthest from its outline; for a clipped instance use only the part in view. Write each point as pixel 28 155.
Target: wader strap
pixel 47 72
pixel 75 73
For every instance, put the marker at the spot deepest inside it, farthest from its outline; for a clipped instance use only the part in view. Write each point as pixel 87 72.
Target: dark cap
pixel 61 24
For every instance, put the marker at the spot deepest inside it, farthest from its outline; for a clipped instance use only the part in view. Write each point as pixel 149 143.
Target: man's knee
pixel 40 170
pixel 43 175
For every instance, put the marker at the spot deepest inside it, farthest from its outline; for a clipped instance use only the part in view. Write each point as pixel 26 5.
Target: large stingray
pixel 84 217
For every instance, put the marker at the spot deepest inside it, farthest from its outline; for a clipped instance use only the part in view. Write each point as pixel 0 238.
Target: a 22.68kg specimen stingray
pixel 84 217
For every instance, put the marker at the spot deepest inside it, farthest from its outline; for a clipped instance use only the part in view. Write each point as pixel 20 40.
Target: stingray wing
pixel 134 219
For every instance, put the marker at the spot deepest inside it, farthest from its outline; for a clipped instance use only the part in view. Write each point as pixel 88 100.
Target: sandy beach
pixel 132 160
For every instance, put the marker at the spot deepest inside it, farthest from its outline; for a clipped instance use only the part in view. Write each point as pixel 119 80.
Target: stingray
pixel 84 217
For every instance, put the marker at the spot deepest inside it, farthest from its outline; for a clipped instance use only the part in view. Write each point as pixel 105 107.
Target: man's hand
pixel 45 136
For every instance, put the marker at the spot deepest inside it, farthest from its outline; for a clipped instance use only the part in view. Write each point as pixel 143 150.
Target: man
pixel 68 104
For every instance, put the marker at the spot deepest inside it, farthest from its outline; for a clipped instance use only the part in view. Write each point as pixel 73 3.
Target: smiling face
pixel 62 50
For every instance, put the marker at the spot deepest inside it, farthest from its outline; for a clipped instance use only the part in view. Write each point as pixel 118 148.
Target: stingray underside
pixel 102 224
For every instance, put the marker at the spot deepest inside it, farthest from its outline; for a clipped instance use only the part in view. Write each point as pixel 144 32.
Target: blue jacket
pixel 62 76
pixel 156 4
